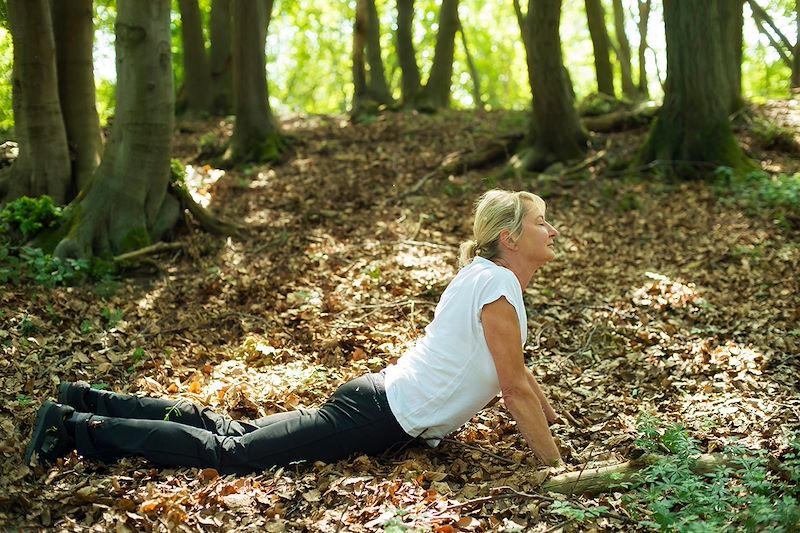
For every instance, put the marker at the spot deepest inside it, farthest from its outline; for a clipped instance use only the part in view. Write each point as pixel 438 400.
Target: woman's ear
pixel 506 240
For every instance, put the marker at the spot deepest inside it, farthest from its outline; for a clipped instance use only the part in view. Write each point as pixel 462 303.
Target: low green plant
pixel 573 512
pixel 742 494
pixel 778 194
pixel 21 221
pixel 112 316
pixel 28 216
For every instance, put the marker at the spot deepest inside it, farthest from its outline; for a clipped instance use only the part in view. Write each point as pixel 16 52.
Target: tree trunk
pixel 628 88
pixel 43 165
pixel 126 206
pixel 644 18
pixel 731 22
pixel 361 97
pixel 692 134
pixel 522 21
pixel 436 93
pixel 597 29
pixel 555 134
pixel 378 88
pixel 410 84
pixel 197 82
pixel 221 62
pixel 255 135
pixel 473 71
pixel 795 82
pixel 73 29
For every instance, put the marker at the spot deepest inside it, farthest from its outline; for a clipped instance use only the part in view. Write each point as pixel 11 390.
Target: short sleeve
pixel 496 285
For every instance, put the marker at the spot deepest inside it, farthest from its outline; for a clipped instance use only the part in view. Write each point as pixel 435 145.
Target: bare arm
pixel 501 329
pixel 549 412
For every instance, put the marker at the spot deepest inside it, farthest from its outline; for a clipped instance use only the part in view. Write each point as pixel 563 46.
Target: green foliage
pixel 578 514
pixel 106 98
pixel 6 62
pixel 776 194
pixel 27 216
pixel 22 220
pixel 177 173
pixel 744 494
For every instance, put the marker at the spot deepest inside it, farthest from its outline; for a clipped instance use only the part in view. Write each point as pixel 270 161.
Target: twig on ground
pixel 583 468
pixel 559 525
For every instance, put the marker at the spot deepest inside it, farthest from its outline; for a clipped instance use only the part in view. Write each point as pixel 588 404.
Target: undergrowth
pixel 20 222
pixel 777 194
pixel 747 492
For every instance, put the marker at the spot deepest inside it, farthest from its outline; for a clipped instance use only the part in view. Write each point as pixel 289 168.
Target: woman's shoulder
pixel 484 272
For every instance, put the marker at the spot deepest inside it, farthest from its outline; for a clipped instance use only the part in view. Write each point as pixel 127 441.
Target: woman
pixel 472 350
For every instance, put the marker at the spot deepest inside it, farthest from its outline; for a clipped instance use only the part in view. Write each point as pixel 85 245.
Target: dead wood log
pixel 609 478
pixel 460 162
pixel 621 119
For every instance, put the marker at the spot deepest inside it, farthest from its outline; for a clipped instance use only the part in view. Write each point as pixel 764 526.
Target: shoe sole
pixel 39 433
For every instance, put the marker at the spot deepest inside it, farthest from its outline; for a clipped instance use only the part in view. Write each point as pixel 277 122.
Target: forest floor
pixel 665 300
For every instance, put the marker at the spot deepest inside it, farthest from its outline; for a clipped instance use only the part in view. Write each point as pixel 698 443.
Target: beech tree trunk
pixel 436 93
pixel 795 82
pixel 73 29
pixel 221 61
pixel 597 29
pixel 624 48
pixel 361 97
pixel 126 206
pixel 410 83
pixel 378 88
pixel 555 133
pixel 644 18
pixel 473 71
pixel 197 82
pixel 731 22
pixel 43 164
pixel 369 84
pixel 692 134
pixel 256 136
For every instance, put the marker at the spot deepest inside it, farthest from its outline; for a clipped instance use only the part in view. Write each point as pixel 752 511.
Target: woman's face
pixel 535 242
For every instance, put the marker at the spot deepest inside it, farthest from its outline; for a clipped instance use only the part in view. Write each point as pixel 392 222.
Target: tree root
pixel 148 250
pixel 204 217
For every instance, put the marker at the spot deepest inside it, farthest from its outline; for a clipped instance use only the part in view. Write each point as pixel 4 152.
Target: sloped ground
pixel 662 300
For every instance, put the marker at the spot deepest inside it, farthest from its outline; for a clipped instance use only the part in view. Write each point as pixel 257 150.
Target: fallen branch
pixel 156 248
pixel 497 149
pixel 622 119
pixel 608 478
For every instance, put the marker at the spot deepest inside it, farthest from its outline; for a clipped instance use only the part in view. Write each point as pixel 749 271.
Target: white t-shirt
pixel 449 375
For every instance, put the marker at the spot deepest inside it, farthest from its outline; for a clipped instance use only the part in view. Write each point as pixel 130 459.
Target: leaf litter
pixel 661 301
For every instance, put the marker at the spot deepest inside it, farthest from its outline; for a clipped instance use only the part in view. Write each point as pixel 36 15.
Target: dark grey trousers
pixel 355 420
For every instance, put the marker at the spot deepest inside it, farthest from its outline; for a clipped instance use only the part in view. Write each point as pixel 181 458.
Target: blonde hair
pixel 495 211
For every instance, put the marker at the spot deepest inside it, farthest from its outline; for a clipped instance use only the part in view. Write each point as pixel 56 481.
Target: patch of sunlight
pixel 147 301
pixel 717 369
pixel 426 266
pixel 200 181
pixel 263 179
pixel 665 293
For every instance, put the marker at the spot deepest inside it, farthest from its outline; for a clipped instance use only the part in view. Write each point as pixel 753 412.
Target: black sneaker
pixel 50 439
pixel 73 394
